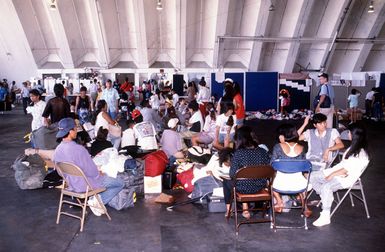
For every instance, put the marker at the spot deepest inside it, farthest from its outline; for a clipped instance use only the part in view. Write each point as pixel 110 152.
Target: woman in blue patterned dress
pixel 247 153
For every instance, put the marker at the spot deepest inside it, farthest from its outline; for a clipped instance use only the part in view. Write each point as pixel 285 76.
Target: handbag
pixel 326 103
pixel 115 130
pixel 199 155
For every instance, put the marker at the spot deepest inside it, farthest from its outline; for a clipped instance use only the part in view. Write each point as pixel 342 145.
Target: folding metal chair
pixel 294 166
pixel 265 195
pixel 357 186
pixel 72 170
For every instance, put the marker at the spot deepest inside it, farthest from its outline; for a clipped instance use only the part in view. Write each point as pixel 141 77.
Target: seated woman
pixel 100 142
pixel 103 120
pixel 171 141
pixel 225 127
pixel 246 153
pixel 342 175
pixel 208 134
pixel 287 148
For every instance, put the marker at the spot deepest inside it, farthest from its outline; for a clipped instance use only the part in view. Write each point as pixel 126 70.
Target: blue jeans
pixel 115 141
pixel 112 114
pixel 377 110
pixel 113 187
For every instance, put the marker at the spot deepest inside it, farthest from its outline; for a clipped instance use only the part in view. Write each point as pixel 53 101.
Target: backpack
pixel 29 171
pixel 155 163
pixel 199 155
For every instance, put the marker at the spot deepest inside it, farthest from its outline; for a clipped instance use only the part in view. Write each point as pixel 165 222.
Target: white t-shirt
pixel 210 126
pixel 128 138
pixel 146 135
pixel 369 95
pixel 221 123
pixel 37 110
pixel 100 122
pixel 203 95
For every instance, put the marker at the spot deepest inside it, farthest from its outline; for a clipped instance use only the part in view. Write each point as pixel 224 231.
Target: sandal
pixel 246 215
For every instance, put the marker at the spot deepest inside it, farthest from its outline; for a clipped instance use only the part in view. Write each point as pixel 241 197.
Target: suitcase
pixel 216 204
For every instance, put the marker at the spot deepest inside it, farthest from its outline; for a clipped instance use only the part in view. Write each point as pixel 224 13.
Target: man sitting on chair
pixel 71 152
pixel 322 141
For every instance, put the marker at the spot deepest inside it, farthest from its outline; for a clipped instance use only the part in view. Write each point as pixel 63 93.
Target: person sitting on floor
pixel 150 115
pixel 225 127
pixel 128 138
pixel 195 123
pixel 171 141
pixel 342 175
pixel 144 132
pixel 322 141
pixel 288 148
pixel 246 153
pixel 208 134
pixel 71 152
pixel 100 142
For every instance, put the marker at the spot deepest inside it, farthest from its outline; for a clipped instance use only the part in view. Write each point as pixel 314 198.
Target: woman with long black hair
pixel 247 153
pixel 342 175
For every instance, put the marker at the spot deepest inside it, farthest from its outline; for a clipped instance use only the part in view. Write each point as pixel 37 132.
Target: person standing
pixel 368 103
pixel 25 95
pixel 37 109
pixel 353 104
pixel 83 106
pixel 57 108
pixel 326 92
pixel 238 105
pixel 111 96
pixel 94 91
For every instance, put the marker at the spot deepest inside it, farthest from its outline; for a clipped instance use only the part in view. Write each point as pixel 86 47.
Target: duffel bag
pixel 155 163
pixel 124 199
pixel 185 178
pixel 29 171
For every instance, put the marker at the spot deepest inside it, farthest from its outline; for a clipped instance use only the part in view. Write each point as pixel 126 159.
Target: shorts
pixel 239 122
pixel 221 138
pixel 205 138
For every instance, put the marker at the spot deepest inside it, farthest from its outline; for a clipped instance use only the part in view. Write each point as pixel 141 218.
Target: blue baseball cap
pixel 65 126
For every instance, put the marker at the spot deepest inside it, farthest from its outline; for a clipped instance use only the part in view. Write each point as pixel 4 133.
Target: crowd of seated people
pixel 162 122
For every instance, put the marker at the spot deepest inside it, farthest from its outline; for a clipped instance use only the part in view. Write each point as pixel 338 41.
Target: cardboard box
pixel 152 185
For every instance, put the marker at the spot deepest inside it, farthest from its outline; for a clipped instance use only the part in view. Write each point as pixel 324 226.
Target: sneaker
pixel 94 206
pixel 323 220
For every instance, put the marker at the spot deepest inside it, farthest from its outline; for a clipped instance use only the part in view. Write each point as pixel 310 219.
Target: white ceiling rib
pixel 299 35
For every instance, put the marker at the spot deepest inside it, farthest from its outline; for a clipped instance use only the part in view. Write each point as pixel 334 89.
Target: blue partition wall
pixel 217 87
pixel 261 91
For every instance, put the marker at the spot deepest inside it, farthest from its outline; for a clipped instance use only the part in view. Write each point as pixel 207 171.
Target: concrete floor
pixel 28 218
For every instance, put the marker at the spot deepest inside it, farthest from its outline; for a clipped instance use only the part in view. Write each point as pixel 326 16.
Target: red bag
pixel 155 163
pixel 185 179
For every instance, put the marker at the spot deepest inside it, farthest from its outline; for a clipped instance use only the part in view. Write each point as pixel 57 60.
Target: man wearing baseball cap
pixel 326 90
pixel 69 151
